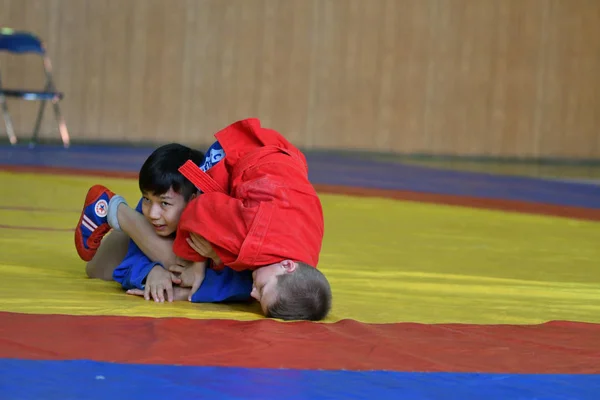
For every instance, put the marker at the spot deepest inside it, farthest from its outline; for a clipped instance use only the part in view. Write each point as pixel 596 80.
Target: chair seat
pixel 31 94
pixel 20 42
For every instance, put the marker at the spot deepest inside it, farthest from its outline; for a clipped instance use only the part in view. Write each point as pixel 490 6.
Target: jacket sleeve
pixel 134 269
pixel 226 285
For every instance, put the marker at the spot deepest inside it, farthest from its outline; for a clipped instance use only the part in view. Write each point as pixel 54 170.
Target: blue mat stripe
pixel 332 169
pixel 27 379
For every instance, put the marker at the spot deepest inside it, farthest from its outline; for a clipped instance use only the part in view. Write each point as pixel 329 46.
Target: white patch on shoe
pixel 101 208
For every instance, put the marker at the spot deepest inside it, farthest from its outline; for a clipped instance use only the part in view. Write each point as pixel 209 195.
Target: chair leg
pixel 38 124
pixel 62 125
pixel 10 130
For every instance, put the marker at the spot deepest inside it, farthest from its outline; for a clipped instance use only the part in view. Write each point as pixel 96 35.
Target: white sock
pixel 112 215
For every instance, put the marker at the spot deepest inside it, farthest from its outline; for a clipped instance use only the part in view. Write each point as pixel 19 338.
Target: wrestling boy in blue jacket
pixel 135 259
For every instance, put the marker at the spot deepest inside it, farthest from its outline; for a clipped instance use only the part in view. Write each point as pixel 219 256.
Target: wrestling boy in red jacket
pixel 258 211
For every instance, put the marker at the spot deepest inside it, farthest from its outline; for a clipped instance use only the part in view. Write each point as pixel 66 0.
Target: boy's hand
pixel 157 283
pixel 191 276
pixel 179 293
pixel 203 247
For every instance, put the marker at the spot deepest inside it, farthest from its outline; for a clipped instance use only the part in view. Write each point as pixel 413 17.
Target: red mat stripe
pixel 556 347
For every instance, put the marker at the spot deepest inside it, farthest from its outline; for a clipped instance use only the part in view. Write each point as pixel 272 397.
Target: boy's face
pixel 264 288
pixel 163 211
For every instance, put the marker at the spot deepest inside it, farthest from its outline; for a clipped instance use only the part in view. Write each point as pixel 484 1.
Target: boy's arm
pixel 134 224
pixel 226 285
pixel 217 286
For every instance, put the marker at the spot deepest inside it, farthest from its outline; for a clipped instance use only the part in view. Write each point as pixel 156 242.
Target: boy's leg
pixel 93 222
pixel 104 210
pixel 103 254
pixel 110 254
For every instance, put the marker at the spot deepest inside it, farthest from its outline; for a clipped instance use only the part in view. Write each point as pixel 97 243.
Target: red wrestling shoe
pixel 93 223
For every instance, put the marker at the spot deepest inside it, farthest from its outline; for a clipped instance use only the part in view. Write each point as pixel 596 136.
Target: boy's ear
pixel 288 266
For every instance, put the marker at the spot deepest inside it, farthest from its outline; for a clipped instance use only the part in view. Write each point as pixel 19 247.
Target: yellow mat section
pixel 388 261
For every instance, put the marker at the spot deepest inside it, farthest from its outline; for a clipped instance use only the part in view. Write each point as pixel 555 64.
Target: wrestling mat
pixel 447 285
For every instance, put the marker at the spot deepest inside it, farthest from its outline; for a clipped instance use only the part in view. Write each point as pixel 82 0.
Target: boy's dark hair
pixel 160 171
pixel 304 294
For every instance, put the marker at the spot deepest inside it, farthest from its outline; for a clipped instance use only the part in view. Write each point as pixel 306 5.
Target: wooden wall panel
pixel 465 77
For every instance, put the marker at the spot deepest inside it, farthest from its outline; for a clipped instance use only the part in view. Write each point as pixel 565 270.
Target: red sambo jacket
pixel 258 206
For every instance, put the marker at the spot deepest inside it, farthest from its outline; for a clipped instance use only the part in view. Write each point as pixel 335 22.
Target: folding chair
pixel 22 43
